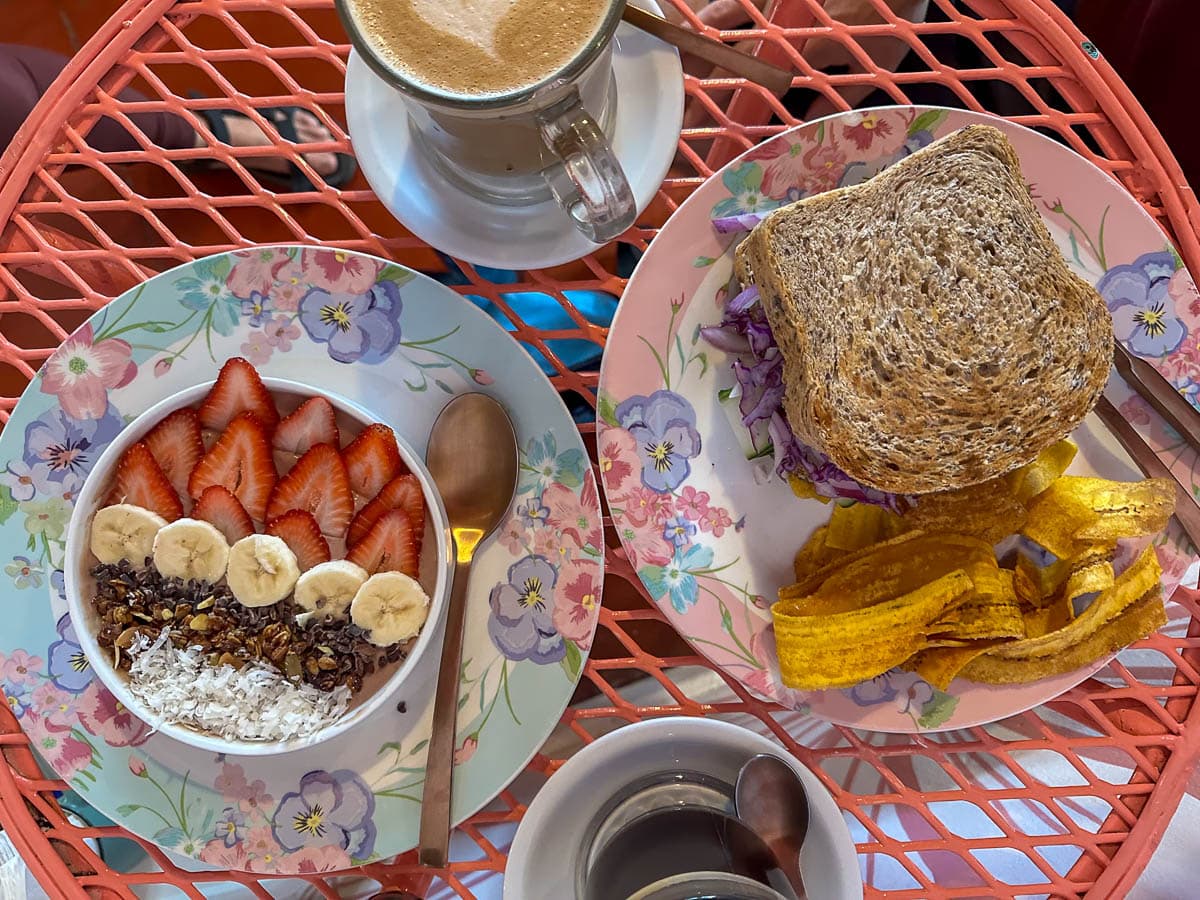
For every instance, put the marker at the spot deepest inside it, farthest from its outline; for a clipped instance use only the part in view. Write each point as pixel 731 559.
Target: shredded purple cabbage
pixel 745 332
pixel 737 224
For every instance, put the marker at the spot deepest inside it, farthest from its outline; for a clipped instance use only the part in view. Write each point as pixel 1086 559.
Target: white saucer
pixel 649 82
pixel 541 862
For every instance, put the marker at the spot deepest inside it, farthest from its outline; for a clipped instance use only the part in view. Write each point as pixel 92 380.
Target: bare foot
pixel 245 133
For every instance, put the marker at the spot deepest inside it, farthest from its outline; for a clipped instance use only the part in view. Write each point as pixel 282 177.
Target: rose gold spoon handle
pixel 472 456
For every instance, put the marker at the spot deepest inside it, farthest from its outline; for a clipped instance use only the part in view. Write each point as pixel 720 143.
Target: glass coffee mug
pixel 529 144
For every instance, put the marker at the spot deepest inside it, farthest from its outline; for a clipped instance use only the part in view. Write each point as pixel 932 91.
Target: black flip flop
pixel 284 120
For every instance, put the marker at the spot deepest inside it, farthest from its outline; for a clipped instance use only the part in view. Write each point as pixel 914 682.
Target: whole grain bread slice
pixel 932 334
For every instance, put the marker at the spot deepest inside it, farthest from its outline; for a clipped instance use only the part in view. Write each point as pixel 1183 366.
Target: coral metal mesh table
pixel 1066 800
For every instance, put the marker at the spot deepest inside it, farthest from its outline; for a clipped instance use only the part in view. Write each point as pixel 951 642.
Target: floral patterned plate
pixel 711 534
pixel 399 345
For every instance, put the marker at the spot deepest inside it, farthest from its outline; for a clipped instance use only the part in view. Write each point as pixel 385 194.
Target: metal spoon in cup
pixel 770 799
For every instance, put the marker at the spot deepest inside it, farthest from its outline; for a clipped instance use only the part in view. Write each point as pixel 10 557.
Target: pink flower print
pixel 255 271
pixel 715 519
pixel 67 755
pixel 466 750
pixel 512 537
pixel 865 129
pixel 766 681
pixel 308 860
pixel 1182 289
pixel 280 332
pixel 21 668
pixel 824 165
pixel 576 515
pixel 290 287
pixel 339 271
pixel 482 376
pixel 1136 411
pixel 102 714
pixel 692 503
pixel 249 795
pixel 645 546
pixel 260 844
pixel 137 766
pixel 57 706
pixel 217 854
pixel 163 366
pixel 80 373
pixel 577 602
pixel 548 543
pixel 617 448
pixel 257 348
pixel 644 505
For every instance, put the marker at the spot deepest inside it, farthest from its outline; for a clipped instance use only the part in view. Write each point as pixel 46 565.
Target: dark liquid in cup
pixel 676 841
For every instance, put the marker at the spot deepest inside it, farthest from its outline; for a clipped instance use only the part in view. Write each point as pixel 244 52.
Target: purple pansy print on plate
pixel 1143 310
pixel 522 622
pixel 664 426
pixel 357 327
pixel 328 808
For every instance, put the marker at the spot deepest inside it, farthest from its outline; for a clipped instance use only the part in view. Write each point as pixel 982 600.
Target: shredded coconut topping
pixel 254 703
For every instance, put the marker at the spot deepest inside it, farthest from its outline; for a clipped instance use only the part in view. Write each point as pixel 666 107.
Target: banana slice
pixel 124 531
pixel 262 570
pixel 190 548
pixel 327 588
pixel 390 606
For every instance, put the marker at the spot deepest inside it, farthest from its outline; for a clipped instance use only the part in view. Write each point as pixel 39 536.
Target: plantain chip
pixel 814 555
pixel 989 511
pixel 804 489
pixel 1033 478
pixel 993 613
pixel 1051 617
pixel 941 665
pixel 860 525
pixel 1074 512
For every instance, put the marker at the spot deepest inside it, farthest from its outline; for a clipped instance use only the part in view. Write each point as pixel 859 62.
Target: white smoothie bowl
pixel 379 689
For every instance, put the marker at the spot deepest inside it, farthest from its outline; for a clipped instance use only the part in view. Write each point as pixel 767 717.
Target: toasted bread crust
pixel 933 336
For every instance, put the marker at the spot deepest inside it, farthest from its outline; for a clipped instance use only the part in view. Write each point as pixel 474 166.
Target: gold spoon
pixel 472 457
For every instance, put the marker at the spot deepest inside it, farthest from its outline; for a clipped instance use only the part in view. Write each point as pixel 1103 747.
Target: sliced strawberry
pixel 313 423
pixel 222 509
pixel 373 459
pixel 240 461
pixel 176 445
pixel 142 482
pixel 399 493
pixel 238 390
pixel 390 546
pixel 318 484
pixel 300 531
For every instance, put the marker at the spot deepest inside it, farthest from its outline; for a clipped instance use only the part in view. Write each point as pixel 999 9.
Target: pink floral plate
pixel 399 345
pixel 712 534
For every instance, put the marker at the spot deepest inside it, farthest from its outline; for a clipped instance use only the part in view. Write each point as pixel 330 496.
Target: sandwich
pixel 919 332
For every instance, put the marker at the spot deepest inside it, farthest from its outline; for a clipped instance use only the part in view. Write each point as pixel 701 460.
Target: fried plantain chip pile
pixel 924 589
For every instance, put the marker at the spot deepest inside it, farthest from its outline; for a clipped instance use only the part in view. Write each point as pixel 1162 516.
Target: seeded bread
pixel 932 334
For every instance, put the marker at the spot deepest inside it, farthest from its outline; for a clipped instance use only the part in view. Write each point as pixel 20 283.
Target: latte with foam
pixel 478 47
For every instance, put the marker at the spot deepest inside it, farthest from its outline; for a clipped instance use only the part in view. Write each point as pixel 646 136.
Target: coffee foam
pixel 477 47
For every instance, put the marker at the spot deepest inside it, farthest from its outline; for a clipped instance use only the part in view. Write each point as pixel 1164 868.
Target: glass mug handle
pixel 588 182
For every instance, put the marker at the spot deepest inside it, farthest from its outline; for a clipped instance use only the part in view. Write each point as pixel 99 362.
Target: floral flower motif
pixel 1135 410
pixel 858 171
pixel 677 577
pixel 482 376
pixel 205 291
pixel 103 715
pixel 280 332
pixel 163 366
pixel 645 546
pixel 664 426
pixel 544 465
pixel 340 272
pixel 692 503
pixel 521 624
pixel 47 517
pixel 577 602
pixel 67 447
pixel 745 184
pixel 617 447
pixel 512 537
pixel 466 749
pixel 864 129
pixel 290 287
pixel 254 272
pixel 678 531
pixel 58 582
pixel 216 853
pixel 261 843
pixel 230 826
pixel 24 572
pixel 328 808
pixel 1142 308
pixel 548 544
pixel 310 860
pixel 362 327
pixel 533 512
pixel 645 505
pixel 56 706
pixel 68 664
pixel 257 308
pixel 715 519
pixel 250 796
pixel 21 668
pixel 576 515
pixel 912 698
pixel 67 755
pixel 18 695
pixel 878 690
pixel 257 348
pixel 24 480
pixel 80 373
pixel 1183 290
pixel 137 766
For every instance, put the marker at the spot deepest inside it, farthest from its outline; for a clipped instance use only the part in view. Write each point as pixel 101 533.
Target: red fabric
pixel 1152 45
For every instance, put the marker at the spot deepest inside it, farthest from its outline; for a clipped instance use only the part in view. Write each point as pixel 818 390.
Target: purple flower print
pixel 67 447
pixel 357 327
pixel 19 695
pixel 533 512
pixel 258 308
pixel 878 690
pixel 678 530
pixel 68 664
pixel 329 809
pixel 522 623
pixel 230 826
pixel 664 426
pixel 1143 312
